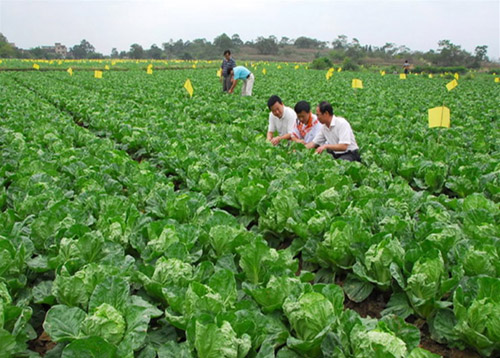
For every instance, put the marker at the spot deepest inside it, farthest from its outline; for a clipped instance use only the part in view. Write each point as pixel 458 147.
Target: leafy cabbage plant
pixel 115 322
pixel 477 309
pixel 312 315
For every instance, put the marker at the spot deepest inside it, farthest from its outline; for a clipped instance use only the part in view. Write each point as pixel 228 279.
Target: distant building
pixel 61 49
pixel 57 49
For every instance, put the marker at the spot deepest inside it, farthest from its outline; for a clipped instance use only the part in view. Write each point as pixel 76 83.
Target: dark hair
pixel 228 71
pixel 272 100
pixel 325 107
pixel 227 52
pixel 302 106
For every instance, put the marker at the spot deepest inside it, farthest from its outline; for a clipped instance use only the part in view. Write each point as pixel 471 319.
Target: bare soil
pixel 376 302
pixel 42 344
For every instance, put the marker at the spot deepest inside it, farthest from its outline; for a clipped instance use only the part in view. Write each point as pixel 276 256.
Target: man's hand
pixel 275 140
pixel 320 149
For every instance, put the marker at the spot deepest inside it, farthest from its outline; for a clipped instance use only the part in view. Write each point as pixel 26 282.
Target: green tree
pixel 6 49
pixel 340 43
pixel 285 41
pixel 236 40
pixel 306 42
pixel 267 46
pixel 223 42
pixel 84 50
pixel 452 55
pixel 136 52
pixel 114 53
pixel 480 53
pixel 154 52
pixel 174 49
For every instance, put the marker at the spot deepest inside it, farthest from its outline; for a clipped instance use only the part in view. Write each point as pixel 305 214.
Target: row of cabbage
pixel 390 116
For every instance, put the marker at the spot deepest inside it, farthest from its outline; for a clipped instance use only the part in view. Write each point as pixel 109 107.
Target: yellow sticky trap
pixel 36 66
pixel 106 67
pixel 219 72
pixel 439 117
pixel 194 66
pixel 279 67
pixel 113 63
pixel 456 76
pixel 339 69
pixel 451 85
pixel 189 87
pixel 59 62
pixel 382 73
pixel 264 71
pixel 402 76
pixel 497 79
pixel 149 70
pixel 98 74
pixel 357 83
pixel 296 67
pixel 431 76
pixel 70 71
pixel 328 75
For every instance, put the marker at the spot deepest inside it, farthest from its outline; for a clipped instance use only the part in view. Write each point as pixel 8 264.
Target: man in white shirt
pixel 335 136
pixel 281 119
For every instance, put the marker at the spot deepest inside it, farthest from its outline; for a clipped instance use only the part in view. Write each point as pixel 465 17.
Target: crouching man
pixel 335 135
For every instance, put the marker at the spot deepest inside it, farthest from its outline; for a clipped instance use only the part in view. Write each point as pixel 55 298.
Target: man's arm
pixel 232 86
pixel 298 140
pixel 277 139
pixel 311 145
pixel 336 147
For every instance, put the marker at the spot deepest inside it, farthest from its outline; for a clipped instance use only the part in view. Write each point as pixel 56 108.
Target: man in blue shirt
pixel 227 62
pixel 244 74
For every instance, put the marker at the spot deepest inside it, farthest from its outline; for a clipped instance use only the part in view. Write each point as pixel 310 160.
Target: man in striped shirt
pixel 227 62
pixel 306 125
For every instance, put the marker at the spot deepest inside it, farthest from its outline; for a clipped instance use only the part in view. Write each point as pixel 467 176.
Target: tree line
pixel 340 50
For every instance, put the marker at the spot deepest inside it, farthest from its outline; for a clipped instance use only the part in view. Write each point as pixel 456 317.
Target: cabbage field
pixel 137 221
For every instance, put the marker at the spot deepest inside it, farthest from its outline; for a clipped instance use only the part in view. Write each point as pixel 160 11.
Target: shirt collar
pixel 332 123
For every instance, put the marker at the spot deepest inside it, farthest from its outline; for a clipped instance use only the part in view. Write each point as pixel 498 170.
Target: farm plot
pixel 137 221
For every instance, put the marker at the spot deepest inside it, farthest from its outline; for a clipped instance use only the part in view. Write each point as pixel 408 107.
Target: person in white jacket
pixel 281 120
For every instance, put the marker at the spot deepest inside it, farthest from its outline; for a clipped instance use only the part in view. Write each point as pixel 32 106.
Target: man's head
pixel 276 106
pixel 227 54
pixel 229 71
pixel 324 112
pixel 303 110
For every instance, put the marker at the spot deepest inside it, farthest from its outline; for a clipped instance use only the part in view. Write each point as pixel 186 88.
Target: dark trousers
pixel 350 155
pixel 226 83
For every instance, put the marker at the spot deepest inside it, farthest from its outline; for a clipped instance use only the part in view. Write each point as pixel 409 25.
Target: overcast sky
pixel 417 24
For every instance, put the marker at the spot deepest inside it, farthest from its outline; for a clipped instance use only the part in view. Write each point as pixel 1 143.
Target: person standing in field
pixel 406 67
pixel 281 119
pixel 335 135
pixel 227 62
pixel 306 125
pixel 241 73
